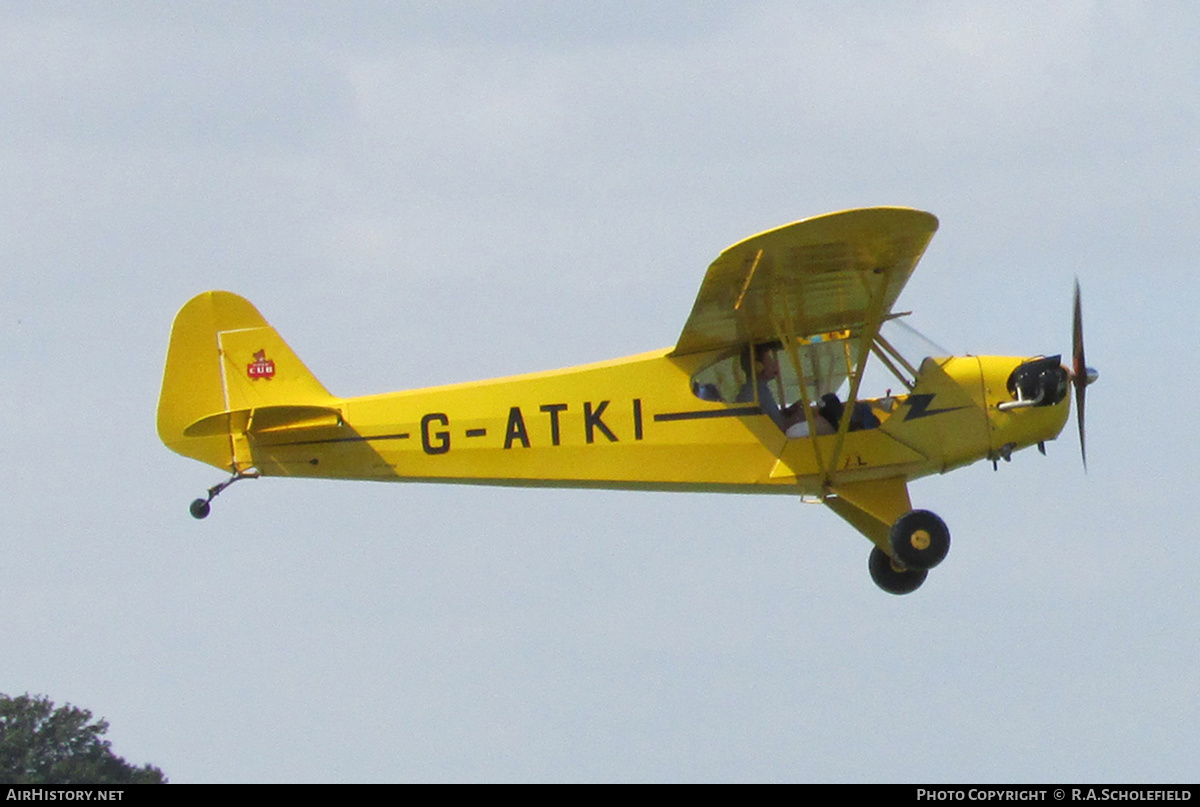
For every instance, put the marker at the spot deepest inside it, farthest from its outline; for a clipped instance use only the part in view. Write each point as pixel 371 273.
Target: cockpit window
pixel 720 381
pixel 824 360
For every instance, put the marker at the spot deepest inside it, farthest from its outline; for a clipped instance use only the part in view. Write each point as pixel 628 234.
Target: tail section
pixel 228 374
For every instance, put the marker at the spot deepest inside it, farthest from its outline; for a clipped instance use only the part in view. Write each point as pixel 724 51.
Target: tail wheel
pixel 919 539
pixel 891 576
pixel 201 507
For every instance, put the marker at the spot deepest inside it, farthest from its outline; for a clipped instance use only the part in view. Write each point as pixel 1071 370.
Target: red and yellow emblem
pixel 261 367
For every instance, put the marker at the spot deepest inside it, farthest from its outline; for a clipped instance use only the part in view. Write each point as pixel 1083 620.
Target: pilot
pixel 789 419
pixel 766 369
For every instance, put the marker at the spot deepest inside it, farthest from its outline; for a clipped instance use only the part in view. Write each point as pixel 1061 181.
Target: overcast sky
pixel 425 193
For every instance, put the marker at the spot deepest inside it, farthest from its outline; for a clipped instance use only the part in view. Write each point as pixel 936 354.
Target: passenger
pixel 831 408
pixel 824 419
pixel 863 417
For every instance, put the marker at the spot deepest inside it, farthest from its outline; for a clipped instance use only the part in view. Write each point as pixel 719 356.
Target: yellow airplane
pixel 745 402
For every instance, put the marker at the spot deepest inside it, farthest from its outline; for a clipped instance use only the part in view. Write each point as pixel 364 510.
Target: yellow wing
pixel 841 271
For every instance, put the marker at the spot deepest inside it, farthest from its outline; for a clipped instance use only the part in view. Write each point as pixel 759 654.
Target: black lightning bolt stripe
pixel 737 412
pixel 918 407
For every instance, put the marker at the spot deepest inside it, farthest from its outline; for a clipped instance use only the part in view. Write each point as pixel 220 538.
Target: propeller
pixel 1081 374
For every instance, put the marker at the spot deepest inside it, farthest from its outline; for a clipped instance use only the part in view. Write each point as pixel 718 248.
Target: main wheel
pixel 199 508
pixel 892 578
pixel 919 539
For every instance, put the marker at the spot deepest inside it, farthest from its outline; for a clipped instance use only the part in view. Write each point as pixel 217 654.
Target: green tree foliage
pixel 44 745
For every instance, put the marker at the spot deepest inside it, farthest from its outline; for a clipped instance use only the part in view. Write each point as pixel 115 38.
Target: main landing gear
pixel 201 507
pixel 919 541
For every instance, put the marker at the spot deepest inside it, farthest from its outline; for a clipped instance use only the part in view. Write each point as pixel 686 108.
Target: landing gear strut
pixel 201 507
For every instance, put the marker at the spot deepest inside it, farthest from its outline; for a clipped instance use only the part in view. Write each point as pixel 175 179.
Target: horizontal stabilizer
pixel 265 420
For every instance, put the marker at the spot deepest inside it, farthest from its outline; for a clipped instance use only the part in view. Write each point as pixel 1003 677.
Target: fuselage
pixel 636 423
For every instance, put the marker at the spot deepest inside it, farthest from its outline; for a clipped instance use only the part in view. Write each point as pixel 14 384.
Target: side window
pixel 824 359
pixel 720 381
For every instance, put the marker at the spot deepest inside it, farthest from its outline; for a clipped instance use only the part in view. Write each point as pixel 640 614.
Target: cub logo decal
pixel 261 367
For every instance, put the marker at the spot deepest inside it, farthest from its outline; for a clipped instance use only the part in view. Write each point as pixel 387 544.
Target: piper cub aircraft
pixel 745 402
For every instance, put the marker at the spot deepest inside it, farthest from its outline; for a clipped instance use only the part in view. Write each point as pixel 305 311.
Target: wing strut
pixel 790 340
pixel 870 331
pixel 884 346
pixel 888 363
pixel 854 369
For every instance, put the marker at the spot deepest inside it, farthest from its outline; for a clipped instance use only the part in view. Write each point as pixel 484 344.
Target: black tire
pixel 919 539
pixel 891 579
pixel 199 508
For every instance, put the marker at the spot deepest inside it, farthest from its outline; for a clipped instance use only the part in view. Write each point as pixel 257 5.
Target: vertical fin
pixel 224 357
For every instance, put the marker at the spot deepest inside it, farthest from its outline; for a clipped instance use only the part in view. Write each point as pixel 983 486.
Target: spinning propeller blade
pixel 1081 374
